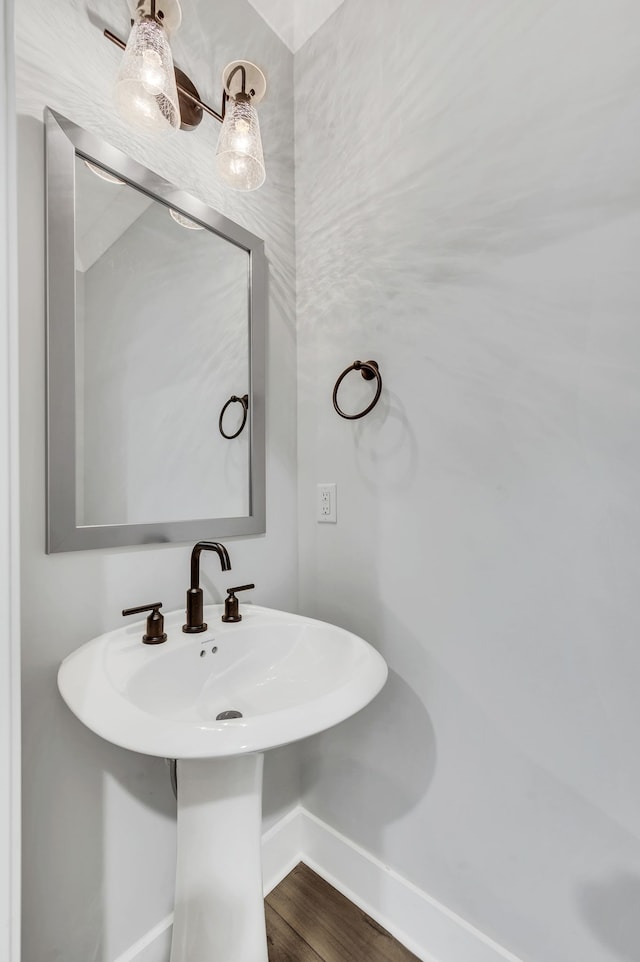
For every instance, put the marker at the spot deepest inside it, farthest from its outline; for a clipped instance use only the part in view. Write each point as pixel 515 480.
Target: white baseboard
pixel 154 946
pixel 283 848
pixel 423 925
pixel 426 927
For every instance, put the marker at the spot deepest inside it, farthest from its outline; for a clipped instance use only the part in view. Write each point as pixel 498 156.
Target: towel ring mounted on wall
pixel 244 401
pixel 369 370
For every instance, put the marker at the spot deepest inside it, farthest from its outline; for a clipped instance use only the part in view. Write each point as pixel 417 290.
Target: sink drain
pixel 224 715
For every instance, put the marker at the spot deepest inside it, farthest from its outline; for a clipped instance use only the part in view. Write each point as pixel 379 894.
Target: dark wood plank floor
pixel 309 921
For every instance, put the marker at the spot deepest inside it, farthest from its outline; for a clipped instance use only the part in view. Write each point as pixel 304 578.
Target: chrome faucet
pixel 195 622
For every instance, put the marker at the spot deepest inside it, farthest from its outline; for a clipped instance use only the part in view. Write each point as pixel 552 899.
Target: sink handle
pixel 231 607
pixel 155 634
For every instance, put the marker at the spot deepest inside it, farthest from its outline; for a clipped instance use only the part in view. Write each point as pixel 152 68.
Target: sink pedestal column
pixel 219 907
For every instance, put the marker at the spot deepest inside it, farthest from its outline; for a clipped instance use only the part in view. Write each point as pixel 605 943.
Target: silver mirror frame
pixel 65 140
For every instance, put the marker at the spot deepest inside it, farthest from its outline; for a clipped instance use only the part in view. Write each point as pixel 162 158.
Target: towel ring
pixel 368 370
pixel 244 401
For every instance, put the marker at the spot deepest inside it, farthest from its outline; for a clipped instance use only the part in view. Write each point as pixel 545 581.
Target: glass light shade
pixel 146 91
pixel 184 221
pixel 102 173
pixel 239 157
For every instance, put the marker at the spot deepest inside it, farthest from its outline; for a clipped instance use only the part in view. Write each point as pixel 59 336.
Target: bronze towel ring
pixel 368 370
pixel 244 401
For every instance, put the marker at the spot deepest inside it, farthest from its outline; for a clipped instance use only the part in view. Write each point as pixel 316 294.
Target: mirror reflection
pixel 162 342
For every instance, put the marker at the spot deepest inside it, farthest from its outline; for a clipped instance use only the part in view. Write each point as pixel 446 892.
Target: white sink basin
pixel 288 675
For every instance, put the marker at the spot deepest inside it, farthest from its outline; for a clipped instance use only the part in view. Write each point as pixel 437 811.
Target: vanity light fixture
pixel 153 94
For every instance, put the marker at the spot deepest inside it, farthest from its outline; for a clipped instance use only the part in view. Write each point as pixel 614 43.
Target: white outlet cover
pixel 326 504
pixel 295 21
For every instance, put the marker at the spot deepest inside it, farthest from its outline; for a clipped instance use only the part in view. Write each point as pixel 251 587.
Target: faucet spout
pixel 219 549
pixel 195 620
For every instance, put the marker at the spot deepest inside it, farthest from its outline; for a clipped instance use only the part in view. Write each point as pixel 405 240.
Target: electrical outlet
pixel 326 503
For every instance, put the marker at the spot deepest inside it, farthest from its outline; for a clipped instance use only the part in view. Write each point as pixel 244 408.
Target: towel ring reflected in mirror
pixel 244 401
pixel 369 370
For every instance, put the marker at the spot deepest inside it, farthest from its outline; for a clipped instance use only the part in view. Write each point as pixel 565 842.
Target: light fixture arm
pixel 240 67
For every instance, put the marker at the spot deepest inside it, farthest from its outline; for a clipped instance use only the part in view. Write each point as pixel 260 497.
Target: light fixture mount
pixel 166 12
pixel 191 112
pixel 255 82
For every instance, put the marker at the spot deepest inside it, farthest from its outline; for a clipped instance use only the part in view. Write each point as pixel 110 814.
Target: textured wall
pixel 98 821
pixel 468 214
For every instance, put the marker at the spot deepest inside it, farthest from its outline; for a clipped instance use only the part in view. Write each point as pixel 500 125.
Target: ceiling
pixel 295 20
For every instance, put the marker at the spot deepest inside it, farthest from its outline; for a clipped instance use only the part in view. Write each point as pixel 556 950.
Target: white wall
pixel 98 821
pixel 468 214
pixel 9 516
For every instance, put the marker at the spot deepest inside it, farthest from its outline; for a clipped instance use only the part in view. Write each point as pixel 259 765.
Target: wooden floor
pixel 309 921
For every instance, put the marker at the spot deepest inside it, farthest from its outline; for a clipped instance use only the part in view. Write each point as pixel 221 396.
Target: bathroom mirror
pixel 156 325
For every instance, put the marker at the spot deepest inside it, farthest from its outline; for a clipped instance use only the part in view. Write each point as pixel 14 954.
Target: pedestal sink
pixel 286 676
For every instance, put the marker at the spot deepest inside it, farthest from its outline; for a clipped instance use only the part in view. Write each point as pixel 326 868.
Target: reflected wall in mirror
pixel 162 341
pixel 155 319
